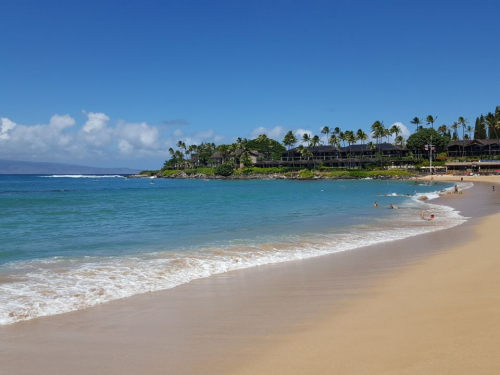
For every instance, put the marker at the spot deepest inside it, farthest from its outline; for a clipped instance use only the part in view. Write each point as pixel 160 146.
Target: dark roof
pixel 317 148
pixel 218 155
pixel 380 146
pixel 471 142
pixel 356 147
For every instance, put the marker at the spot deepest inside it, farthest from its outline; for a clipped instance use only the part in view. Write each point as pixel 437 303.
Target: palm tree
pixel 463 121
pixel 470 130
pixel 326 131
pixel 315 141
pixel 443 129
pixel 181 145
pixel 377 131
pixel 334 141
pixel 224 151
pixel 178 158
pixel 342 138
pixel 387 134
pixel 431 120
pixel 492 123
pixel 399 140
pixel 417 122
pixel 371 146
pixel 240 148
pixel 300 151
pixel 454 127
pixel 396 130
pixel 361 136
pixel 306 154
pixel 350 138
pixel 306 138
pixel 289 141
pixel 262 138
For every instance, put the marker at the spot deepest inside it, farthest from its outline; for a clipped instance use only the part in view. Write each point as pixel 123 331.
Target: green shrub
pixel 206 171
pixel 149 173
pixel 358 174
pixel 337 174
pixel 170 172
pixel 306 173
pixel 224 170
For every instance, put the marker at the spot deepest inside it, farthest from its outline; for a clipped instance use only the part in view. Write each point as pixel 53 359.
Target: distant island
pixel 33 167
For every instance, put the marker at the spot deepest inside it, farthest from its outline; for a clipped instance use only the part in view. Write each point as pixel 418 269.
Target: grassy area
pixel 368 174
pixel 206 171
pixel 303 173
pixel 170 172
pixel 149 173
pixel 255 170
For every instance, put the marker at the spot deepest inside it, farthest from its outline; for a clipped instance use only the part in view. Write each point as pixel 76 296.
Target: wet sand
pixel 426 304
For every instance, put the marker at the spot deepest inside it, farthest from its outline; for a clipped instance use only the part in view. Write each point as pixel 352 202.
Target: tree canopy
pixel 418 140
pixel 269 147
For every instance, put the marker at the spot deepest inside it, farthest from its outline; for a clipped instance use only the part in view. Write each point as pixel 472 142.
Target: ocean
pixel 75 241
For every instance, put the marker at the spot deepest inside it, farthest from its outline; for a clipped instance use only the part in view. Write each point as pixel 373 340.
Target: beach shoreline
pixel 229 322
pixel 438 316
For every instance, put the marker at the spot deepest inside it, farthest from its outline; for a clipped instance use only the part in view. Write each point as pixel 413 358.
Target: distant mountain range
pixel 34 167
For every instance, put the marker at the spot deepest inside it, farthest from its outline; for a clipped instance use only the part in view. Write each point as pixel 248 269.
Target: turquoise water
pixel 72 242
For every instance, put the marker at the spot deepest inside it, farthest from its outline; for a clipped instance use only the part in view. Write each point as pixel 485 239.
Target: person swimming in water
pixel 375 204
pixel 422 216
pixel 393 207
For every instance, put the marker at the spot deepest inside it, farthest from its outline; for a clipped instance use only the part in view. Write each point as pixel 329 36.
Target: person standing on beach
pixel 493 187
pixel 456 189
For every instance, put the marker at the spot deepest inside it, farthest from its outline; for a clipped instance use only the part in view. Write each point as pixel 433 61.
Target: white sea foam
pixel 82 176
pixel 57 285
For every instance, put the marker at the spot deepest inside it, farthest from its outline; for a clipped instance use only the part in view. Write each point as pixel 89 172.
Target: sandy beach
pixel 487 179
pixel 424 305
pixel 439 316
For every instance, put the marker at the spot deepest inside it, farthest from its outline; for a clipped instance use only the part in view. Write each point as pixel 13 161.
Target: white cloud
pixel 207 136
pixel 405 132
pixel 94 132
pixel 300 132
pixel 5 126
pixel 139 135
pixel 125 147
pixel 276 133
pixel 96 140
pixel 178 133
pixel 96 121
pixel 59 123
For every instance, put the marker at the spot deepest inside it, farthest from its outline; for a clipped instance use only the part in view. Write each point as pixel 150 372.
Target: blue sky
pixel 115 83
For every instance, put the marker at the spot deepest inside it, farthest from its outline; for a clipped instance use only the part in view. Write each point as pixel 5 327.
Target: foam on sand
pixel 56 285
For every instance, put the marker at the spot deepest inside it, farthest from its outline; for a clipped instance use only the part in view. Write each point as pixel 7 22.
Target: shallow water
pixel 70 242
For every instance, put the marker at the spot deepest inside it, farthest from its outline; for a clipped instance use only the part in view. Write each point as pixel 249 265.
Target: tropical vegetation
pixel 236 157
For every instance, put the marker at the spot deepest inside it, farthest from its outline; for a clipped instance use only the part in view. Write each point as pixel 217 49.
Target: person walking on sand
pixel 493 187
pixel 456 189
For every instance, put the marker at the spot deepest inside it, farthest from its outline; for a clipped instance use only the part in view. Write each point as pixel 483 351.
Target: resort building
pixel 217 158
pixel 476 147
pixel 349 156
pixel 477 167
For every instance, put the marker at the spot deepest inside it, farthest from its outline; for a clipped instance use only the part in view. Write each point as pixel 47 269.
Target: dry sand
pixel 441 316
pixel 425 305
pixel 443 177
